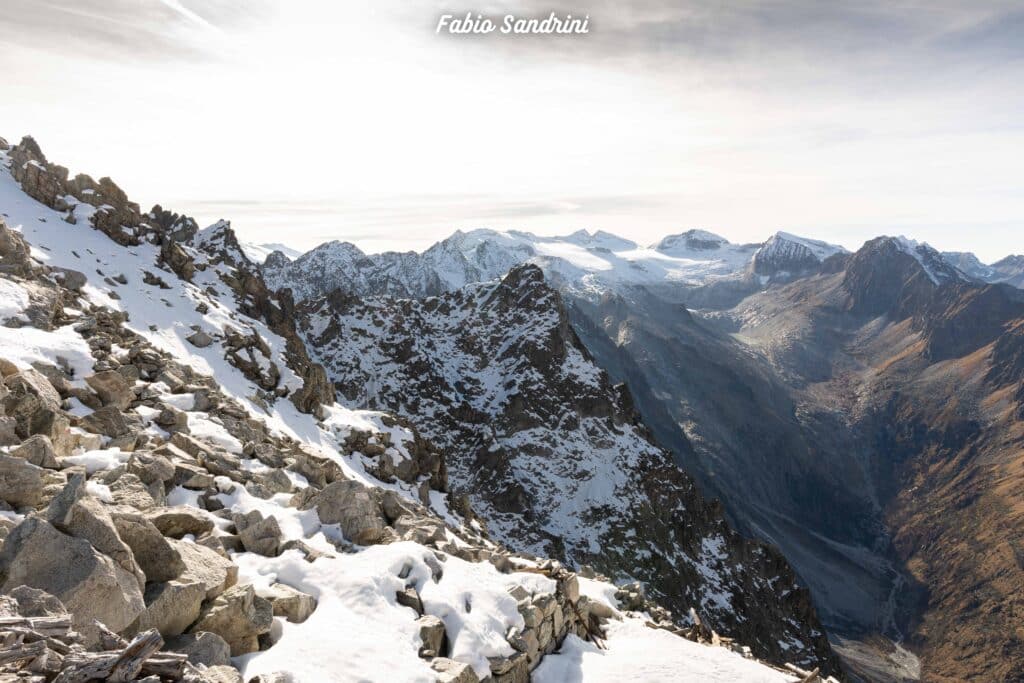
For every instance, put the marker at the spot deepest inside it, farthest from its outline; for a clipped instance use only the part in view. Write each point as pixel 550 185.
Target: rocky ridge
pixel 552 455
pixel 181 485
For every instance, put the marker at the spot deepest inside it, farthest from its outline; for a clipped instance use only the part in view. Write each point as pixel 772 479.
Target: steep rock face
pixel 550 455
pixel 786 256
pixel 894 276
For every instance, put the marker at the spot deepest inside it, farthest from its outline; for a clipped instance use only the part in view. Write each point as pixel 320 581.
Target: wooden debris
pixel 47 647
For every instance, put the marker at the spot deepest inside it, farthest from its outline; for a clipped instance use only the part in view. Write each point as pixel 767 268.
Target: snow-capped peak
pixel 938 269
pixel 691 240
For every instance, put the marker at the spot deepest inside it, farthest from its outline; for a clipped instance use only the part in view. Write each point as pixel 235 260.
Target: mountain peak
pixel 787 255
pixel 698 240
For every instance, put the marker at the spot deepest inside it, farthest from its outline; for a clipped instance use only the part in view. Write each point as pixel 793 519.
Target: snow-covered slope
pixel 147 345
pixel 258 253
pixel 938 268
pixel 583 262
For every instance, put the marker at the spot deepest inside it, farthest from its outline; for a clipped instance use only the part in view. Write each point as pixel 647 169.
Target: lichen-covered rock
pixel 203 647
pixel 112 388
pixel 216 573
pixel 239 616
pixel 154 554
pixel 38 450
pixel 90 584
pixel 258 534
pixel 171 607
pixel 179 521
pixel 292 604
pixel 352 506
pixel 21 482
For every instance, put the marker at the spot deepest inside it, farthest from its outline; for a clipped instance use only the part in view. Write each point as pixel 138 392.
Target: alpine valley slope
pixel 175 465
pixel 923 367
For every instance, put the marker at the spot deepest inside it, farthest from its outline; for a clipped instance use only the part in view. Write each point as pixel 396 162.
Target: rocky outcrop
pixel 316 390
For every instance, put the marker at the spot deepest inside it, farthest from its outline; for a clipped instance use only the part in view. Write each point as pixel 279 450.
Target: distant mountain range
pixel 584 261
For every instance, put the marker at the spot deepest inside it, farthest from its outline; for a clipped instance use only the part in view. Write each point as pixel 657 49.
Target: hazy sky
pixel 306 121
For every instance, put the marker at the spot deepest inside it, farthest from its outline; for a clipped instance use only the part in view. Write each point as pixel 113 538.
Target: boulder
pixel 156 557
pixel 216 573
pixel 202 647
pixel 292 604
pixel 87 518
pixel 129 490
pixel 317 390
pixel 432 636
pixel 33 602
pixel 258 534
pixel 150 467
pixel 238 616
pixel 180 520
pixel 352 506
pixel 112 388
pixel 90 584
pixel 35 405
pixel 422 530
pixel 200 339
pixel 107 421
pixel 514 669
pixel 38 450
pixel 21 482
pixel 171 607
pixel 409 597
pixel 451 671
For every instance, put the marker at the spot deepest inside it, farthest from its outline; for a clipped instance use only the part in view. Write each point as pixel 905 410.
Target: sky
pixel 303 122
